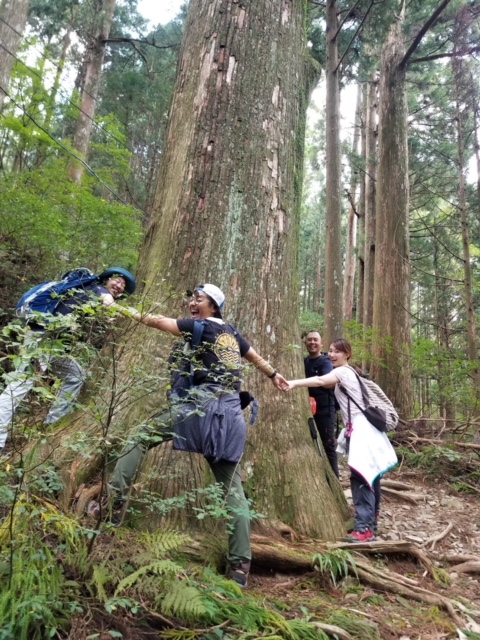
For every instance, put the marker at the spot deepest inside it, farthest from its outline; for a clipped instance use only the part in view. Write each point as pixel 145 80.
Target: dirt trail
pixel 438 507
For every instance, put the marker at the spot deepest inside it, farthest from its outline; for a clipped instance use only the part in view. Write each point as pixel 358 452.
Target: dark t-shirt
pixel 218 358
pixel 319 367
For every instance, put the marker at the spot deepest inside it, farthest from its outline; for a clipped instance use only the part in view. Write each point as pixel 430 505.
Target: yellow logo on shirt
pixel 226 349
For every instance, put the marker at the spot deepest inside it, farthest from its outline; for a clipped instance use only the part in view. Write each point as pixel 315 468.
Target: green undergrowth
pixel 51 574
pixel 443 462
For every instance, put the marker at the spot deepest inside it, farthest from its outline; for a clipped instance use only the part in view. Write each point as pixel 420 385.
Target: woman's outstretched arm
pixel 329 380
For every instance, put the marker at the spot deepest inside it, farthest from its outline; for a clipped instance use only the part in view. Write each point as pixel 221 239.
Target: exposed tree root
pixel 408 497
pixel 389 585
pixel 83 497
pixel 439 536
pixel 393 547
pixel 396 484
pixel 283 557
pixel 467 567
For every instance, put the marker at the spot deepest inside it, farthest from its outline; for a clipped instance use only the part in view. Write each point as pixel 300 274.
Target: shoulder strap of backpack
pixel 363 388
pixel 197 334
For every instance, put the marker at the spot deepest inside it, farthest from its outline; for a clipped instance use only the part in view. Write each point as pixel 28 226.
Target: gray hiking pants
pixel 226 473
pixel 22 380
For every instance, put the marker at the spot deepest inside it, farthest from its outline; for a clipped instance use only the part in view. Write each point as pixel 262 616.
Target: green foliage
pixel 184 601
pixel 339 563
pixel 434 458
pixel 358 628
pixel 36 599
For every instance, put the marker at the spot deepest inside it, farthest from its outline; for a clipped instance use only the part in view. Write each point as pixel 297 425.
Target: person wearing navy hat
pixel 207 419
pixel 110 285
pixel 110 278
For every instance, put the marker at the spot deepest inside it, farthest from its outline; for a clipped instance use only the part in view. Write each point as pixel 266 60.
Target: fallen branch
pixel 462 445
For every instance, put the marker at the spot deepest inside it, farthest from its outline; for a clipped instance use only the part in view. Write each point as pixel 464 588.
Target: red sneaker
pixel 360 536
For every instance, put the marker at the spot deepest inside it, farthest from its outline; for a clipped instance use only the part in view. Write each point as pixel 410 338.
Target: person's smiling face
pixel 337 358
pixel 116 286
pixel 201 306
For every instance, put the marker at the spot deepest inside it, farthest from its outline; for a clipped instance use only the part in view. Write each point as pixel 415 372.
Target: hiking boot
pixel 239 573
pixel 111 511
pixel 360 536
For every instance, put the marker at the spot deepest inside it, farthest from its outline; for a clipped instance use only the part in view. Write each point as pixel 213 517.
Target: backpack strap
pixel 197 334
pixel 366 399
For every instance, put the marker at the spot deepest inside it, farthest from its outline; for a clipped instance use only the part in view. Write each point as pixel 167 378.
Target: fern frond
pixel 161 542
pixel 184 601
pixel 159 567
pixel 100 578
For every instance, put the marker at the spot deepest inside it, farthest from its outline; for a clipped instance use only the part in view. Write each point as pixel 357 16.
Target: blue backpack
pixel 47 296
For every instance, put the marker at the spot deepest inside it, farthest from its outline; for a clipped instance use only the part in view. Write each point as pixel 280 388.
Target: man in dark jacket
pixel 322 400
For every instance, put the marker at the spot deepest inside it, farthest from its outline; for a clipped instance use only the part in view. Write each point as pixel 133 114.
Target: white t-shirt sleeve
pixel 349 380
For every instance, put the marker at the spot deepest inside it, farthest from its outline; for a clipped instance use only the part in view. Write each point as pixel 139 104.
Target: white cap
pixel 213 292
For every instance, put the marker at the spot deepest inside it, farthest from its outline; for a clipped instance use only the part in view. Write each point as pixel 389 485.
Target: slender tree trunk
pixel 350 259
pixel 370 192
pixel 93 69
pixel 476 144
pixel 13 14
pixel 333 253
pixel 361 213
pixel 227 210
pixel 472 339
pixel 446 404
pixel 391 320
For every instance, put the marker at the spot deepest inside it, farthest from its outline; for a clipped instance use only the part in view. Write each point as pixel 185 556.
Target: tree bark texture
pixel 350 258
pixel 391 320
pixel 370 190
pixel 360 311
pixel 226 210
pixel 333 253
pixel 13 18
pixel 93 71
pixel 472 339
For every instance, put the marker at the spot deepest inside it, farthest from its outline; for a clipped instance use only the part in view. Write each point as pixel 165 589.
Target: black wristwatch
pixel 273 375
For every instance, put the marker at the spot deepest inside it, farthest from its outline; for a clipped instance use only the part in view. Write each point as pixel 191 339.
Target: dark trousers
pixel 326 420
pixel 366 501
pixel 225 472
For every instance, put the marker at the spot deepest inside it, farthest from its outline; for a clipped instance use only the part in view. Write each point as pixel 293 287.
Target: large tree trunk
pixel 226 211
pixel 13 14
pixel 93 70
pixel 333 252
pixel 391 321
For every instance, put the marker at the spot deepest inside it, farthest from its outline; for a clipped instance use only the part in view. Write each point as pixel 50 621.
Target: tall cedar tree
pixel 226 210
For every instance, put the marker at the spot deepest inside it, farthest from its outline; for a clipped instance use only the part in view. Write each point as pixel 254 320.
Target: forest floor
pixel 439 508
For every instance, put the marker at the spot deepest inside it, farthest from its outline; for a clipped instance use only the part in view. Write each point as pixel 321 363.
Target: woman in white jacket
pixel 370 453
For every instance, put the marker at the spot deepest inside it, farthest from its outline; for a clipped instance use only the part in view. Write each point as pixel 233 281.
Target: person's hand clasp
pixel 279 382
